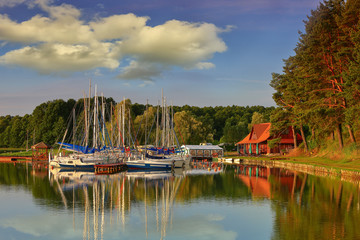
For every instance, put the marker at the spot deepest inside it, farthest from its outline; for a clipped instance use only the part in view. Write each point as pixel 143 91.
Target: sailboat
pixel 142 161
pixel 150 164
pixel 85 157
pixel 168 152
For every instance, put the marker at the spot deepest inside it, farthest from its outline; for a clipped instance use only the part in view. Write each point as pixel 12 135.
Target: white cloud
pixel 175 42
pixel 10 3
pixel 61 42
pixel 146 83
pixel 142 70
pixel 49 58
pixel 97 72
pixel 64 29
pixel 64 11
pixel 118 26
pixel 204 65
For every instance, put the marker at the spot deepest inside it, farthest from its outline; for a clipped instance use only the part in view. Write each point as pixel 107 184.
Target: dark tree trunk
pixel 303 137
pixel 339 135
pixel 339 195
pixel 313 134
pixel 351 133
pixel 294 136
pixel 302 188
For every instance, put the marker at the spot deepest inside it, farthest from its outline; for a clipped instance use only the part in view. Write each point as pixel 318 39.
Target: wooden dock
pixel 14 159
pixel 109 168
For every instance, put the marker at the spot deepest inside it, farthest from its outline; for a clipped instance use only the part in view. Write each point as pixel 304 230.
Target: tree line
pixel 319 88
pixel 193 125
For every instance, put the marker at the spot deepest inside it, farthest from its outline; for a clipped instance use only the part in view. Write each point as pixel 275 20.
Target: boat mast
pixel 157 126
pixel 111 122
pixel 74 128
pixel 146 120
pixel 86 121
pixel 172 132
pixel 95 117
pixel 119 122
pixel 103 118
pixel 129 130
pixel 162 119
pixel 88 109
pixel 123 122
pixel 167 125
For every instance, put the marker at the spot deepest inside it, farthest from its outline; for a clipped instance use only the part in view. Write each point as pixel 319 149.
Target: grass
pixel 14 153
pixel 342 161
pixel 325 154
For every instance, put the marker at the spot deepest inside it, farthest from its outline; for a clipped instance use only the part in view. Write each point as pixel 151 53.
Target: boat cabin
pixel 203 151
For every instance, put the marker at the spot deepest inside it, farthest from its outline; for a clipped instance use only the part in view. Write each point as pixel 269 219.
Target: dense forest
pixel 319 88
pixel 193 125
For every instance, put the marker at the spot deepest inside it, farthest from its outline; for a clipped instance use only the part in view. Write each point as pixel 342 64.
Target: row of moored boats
pixel 92 144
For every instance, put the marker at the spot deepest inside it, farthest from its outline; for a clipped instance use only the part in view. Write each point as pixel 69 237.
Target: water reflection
pixel 166 204
pixel 104 196
pixel 305 206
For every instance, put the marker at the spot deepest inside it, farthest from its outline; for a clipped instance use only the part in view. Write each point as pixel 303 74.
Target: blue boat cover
pixel 82 149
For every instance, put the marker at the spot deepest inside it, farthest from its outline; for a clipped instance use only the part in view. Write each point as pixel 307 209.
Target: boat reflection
pixel 158 205
pixel 104 197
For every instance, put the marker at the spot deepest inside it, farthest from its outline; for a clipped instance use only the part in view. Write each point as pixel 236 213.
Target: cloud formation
pixel 62 42
pixel 10 3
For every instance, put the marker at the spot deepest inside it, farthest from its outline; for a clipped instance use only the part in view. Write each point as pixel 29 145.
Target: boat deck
pixel 109 168
pixel 14 159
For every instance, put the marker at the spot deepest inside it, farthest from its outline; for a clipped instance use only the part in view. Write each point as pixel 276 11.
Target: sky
pixel 201 53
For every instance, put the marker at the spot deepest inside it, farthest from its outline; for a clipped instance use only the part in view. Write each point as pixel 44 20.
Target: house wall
pixel 256 149
pixel 263 148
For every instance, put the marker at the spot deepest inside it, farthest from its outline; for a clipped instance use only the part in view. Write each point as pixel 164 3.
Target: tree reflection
pixel 304 206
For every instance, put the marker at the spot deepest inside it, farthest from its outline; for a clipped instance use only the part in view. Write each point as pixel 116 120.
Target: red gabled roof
pixel 40 145
pixel 290 139
pixel 259 133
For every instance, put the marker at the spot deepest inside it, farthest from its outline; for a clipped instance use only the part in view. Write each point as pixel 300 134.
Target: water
pixel 234 202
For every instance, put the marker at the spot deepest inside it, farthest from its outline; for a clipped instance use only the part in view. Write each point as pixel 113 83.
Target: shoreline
pixel 348 175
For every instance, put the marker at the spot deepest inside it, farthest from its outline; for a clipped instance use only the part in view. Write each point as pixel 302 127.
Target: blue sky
pixel 202 53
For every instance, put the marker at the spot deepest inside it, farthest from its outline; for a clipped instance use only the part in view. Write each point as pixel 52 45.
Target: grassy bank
pixel 324 154
pixel 344 160
pixel 15 152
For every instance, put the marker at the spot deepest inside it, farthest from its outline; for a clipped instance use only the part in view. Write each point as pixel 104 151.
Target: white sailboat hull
pixel 149 164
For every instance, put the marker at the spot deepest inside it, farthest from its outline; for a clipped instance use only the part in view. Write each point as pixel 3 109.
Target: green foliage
pixel 280 121
pixel 274 142
pixel 234 130
pixel 191 130
pixel 256 119
pixel 49 121
pixel 320 86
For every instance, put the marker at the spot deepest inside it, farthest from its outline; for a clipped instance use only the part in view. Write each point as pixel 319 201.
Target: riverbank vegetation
pixel 318 92
pixel 192 125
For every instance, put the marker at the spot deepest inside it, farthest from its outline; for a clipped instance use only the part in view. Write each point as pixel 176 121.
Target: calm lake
pixel 206 202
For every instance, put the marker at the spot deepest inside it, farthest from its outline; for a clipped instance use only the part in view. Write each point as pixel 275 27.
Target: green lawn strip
pixel 344 164
pixel 15 152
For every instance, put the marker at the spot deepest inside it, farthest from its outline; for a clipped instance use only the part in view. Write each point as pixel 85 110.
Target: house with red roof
pixel 257 141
